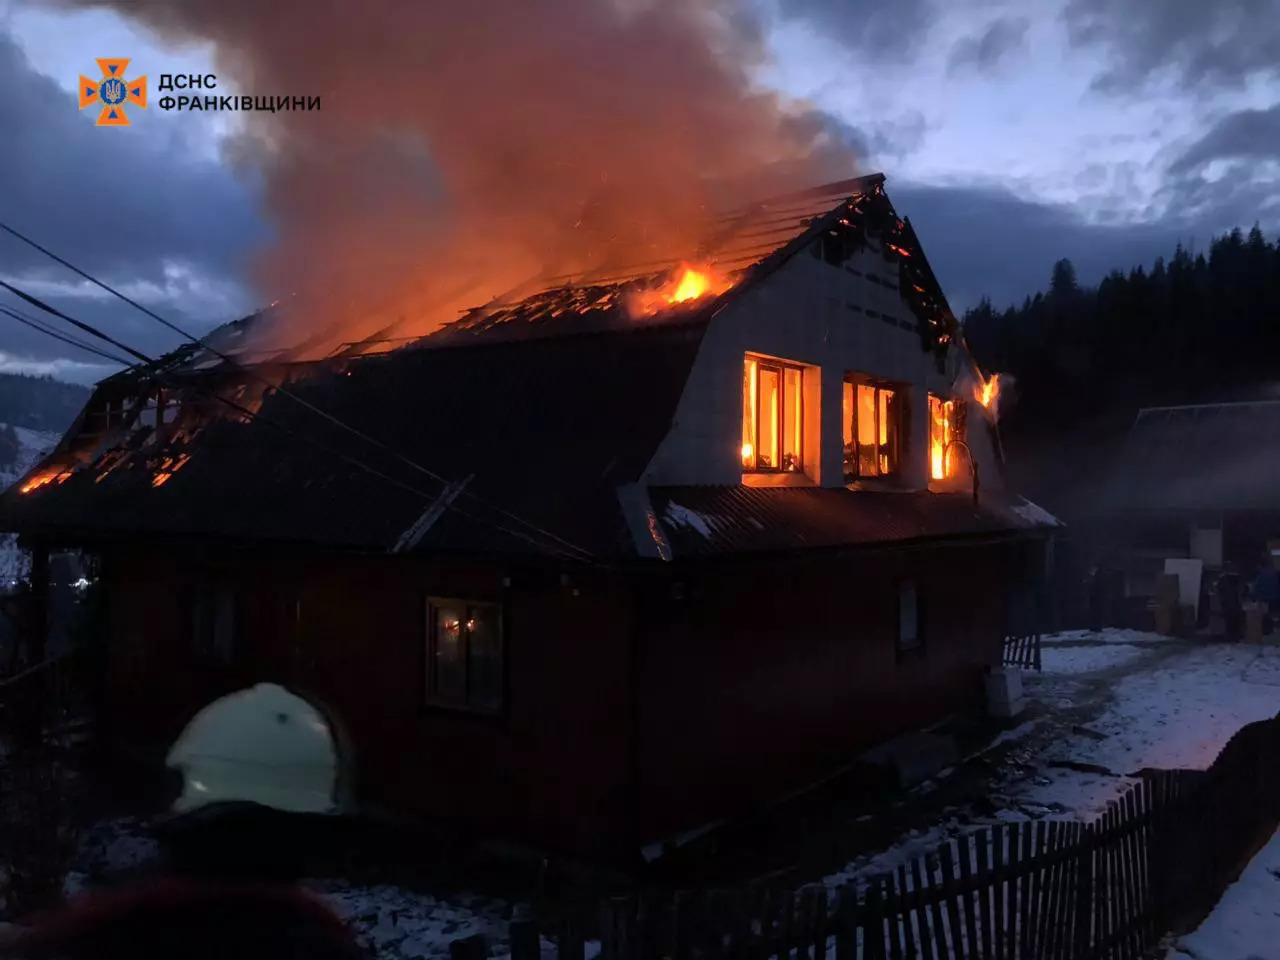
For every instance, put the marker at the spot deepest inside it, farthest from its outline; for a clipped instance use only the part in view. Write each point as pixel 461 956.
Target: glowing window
pixel 464 655
pixel 872 415
pixel 772 416
pixel 945 427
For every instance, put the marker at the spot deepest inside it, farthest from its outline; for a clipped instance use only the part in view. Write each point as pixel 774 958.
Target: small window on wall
pixel 909 638
pixel 464 655
pixel 215 616
pixel 872 418
pixel 772 416
pixel 945 427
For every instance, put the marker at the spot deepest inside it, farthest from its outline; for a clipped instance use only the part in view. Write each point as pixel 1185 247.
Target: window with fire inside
pixel 464 656
pixel 873 414
pixel 946 429
pixel 772 416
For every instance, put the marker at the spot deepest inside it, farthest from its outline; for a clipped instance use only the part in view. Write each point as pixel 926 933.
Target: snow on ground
pixel 397 923
pixel 1111 704
pixel 1245 925
pixel 1060 660
pixel 394 923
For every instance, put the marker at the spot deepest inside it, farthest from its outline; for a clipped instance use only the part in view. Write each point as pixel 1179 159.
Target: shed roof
pixel 1212 457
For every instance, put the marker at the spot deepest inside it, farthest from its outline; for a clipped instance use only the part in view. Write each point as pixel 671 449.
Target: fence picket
pixel 968 896
pixel 525 940
pixel 998 836
pixel 570 944
pixel 950 889
pixel 907 898
pixel 873 925
pixel 919 882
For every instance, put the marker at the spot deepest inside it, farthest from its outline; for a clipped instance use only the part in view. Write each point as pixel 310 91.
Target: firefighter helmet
pixel 263 745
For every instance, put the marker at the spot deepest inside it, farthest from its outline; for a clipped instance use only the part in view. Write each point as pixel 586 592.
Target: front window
pixel 464 655
pixel 945 427
pixel 872 413
pixel 214 613
pixel 772 416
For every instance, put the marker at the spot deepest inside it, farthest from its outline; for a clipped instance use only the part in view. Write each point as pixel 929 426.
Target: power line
pixel 281 389
pixel 87 328
pixel 49 331
pixel 255 416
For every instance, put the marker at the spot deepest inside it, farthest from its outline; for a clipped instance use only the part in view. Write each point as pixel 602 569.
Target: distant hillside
pixel 20 450
pixel 39 403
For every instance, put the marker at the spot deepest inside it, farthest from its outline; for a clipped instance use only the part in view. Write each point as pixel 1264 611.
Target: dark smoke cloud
pixel 986 50
pixel 1215 43
pixel 462 146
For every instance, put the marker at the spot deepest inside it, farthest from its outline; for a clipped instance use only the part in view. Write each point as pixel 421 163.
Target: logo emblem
pixel 113 91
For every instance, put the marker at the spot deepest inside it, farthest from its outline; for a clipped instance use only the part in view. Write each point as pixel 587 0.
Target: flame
pixel 689 283
pixel 168 467
pixel 748 451
pixel 940 435
pixel 988 392
pixel 44 479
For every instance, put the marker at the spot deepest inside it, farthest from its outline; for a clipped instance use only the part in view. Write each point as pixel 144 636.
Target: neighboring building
pixel 1197 482
pixel 593 568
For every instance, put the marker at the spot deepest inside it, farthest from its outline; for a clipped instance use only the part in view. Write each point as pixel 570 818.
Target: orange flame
pixel 689 283
pixel 44 479
pixel 941 414
pixel 988 393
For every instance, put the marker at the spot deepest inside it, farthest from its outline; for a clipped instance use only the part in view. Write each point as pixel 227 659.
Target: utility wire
pixel 49 331
pixel 281 389
pixel 255 416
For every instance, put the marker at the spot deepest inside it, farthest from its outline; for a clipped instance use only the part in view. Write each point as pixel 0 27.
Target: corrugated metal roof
pixel 709 521
pixel 1213 457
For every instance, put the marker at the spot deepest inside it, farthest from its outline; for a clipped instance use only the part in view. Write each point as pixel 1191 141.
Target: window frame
pixel 206 601
pixel 431 699
pixel 956 424
pixel 897 391
pixel 780 367
pixel 915 647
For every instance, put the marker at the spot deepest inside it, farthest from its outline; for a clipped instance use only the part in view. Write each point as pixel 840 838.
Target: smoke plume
pixel 465 146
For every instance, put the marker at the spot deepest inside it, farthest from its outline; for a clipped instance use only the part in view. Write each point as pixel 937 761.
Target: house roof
pixel 535 405
pixel 1213 457
pixel 717 521
pixel 544 429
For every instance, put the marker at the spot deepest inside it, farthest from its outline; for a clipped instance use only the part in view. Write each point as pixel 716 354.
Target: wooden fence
pixel 1156 861
pixel 1022 650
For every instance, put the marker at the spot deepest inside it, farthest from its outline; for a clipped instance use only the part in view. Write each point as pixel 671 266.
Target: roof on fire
pixel 1213 457
pixel 512 434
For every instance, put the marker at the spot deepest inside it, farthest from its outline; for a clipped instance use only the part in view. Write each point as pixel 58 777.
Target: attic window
pixel 772 416
pixel 872 429
pixel 945 427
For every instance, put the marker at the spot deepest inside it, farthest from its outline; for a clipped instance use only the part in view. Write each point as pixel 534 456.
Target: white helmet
pixel 263 745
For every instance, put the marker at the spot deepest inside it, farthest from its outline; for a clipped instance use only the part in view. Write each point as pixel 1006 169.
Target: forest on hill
pixel 1201 327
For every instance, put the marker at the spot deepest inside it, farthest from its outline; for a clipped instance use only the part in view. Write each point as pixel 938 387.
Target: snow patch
pixel 15 565
pixel 1034 513
pixel 1089 659
pixel 684 517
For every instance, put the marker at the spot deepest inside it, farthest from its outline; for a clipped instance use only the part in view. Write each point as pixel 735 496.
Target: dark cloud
pixel 987 242
pixel 1201 43
pixel 986 50
pixel 874 30
pixel 124 204
pixel 1244 135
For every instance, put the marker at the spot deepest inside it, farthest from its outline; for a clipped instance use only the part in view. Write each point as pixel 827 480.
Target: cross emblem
pixel 113 91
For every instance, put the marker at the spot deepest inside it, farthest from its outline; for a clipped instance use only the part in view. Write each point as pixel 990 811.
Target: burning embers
pixel 45 477
pixel 686 284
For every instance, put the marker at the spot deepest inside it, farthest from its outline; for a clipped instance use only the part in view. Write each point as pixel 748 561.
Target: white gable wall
pixel 804 313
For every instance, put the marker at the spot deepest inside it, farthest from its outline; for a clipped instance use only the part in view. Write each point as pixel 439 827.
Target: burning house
pixel 593 564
